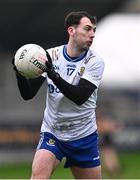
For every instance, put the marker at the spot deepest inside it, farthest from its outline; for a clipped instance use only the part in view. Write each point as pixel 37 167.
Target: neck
pixel 73 51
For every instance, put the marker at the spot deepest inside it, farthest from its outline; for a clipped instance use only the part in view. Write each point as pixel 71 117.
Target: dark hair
pixel 74 18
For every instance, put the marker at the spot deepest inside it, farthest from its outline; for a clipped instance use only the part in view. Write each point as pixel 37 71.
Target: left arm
pixel 77 93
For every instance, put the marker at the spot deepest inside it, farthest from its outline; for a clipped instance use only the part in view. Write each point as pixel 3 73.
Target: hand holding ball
pixel 30 60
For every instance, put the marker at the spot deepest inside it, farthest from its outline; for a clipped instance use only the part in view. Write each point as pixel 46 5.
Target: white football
pixel 30 60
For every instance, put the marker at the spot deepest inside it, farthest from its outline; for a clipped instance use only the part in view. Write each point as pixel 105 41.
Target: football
pixel 30 60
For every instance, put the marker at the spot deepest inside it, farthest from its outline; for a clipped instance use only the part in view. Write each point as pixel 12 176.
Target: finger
pixel 49 57
pixel 48 64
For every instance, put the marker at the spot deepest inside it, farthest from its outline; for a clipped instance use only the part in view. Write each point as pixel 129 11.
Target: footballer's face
pixel 83 34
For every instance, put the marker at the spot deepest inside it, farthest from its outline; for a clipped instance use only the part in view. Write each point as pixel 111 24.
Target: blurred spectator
pixel 107 127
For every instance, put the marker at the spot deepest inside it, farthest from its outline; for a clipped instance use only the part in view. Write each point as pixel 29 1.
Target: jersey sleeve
pixel 94 70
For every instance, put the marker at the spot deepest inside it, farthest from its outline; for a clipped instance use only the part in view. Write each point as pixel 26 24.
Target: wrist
pixel 54 76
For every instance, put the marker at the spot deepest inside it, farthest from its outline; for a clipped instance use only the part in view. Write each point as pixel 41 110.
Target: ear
pixel 71 30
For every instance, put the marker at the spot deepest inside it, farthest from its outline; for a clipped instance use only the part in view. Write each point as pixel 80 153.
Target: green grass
pixel 130 163
pixel 130 166
pixel 13 171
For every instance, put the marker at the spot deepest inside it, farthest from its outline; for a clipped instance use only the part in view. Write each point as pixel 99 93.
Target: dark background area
pixel 42 21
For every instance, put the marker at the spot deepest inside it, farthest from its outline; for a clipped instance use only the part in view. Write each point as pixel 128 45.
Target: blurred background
pixel 117 40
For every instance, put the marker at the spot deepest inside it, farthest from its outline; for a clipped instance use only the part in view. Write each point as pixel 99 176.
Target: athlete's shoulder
pixel 94 67
pixel 94 59
pixel 56 48
pixel 55 52
pixel 95 55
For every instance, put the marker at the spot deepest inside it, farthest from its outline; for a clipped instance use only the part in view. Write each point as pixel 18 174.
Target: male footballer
pixel 73 75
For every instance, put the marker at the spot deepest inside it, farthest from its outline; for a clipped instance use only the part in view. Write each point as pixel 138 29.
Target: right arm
pixel 28 87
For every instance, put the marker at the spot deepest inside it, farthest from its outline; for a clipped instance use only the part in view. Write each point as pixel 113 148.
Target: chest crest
pixel 82 70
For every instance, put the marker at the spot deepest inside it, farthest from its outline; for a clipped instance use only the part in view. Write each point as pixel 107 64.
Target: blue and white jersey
pixel 62 117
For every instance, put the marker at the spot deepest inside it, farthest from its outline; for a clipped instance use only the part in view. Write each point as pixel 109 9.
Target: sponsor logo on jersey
pixel 51 142
pixel 71 65
pixel 56 68
pixel 96 158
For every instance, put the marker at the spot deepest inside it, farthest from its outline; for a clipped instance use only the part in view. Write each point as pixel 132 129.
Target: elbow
pixel 27 97
pixel 80 101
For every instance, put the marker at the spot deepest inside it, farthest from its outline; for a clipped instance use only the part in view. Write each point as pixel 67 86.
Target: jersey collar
pixel 68 58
